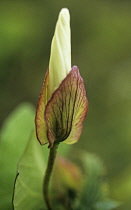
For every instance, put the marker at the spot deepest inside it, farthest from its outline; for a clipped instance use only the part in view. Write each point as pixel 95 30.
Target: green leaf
pixel 28 192
pixel 94 187
pixel 107 205
pixel 13 139
pixel 28 187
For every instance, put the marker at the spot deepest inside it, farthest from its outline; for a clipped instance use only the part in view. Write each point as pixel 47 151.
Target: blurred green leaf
pixel 107 205
pixel 28 192
pixel 95 191
pixel 13 139
pixel 28 187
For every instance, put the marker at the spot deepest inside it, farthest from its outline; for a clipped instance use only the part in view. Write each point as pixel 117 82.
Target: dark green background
pixel 101 48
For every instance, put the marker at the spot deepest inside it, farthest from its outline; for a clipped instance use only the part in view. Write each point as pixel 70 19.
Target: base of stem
pixel 48 172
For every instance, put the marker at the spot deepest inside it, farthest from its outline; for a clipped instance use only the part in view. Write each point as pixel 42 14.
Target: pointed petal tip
pixel 75 68
pixel 64 12
pixel 64 16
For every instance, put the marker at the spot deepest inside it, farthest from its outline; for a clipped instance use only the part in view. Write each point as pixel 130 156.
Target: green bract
pixel 62 105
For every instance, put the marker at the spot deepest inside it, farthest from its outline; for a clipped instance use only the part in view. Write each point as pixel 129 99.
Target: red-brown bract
pixel 61 117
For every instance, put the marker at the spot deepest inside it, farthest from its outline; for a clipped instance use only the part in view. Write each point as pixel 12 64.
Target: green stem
pixel 48 173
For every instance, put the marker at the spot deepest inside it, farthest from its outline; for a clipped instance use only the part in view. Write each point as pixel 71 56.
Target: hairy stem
pixel 48 172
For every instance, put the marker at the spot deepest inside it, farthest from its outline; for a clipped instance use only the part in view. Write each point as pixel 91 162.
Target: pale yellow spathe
pixel 60 56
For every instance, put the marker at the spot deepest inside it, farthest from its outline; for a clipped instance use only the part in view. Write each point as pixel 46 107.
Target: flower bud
pixel 62 104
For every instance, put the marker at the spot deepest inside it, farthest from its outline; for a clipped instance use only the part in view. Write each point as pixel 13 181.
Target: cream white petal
pixel 60 57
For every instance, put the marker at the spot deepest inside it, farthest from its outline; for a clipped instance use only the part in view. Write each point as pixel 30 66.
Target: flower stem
pixel 48 172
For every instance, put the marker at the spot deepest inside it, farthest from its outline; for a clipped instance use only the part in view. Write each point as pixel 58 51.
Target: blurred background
pixel 101 48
